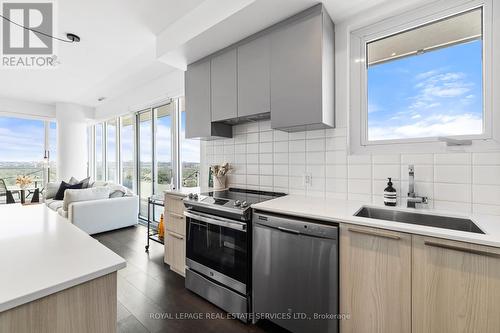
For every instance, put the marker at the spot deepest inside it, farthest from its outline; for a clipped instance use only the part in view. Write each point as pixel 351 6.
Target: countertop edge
pixel 24 299
pixel 399 227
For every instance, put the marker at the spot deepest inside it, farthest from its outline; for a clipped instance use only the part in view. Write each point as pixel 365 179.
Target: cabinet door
pixel 179 256
pixel 456 287
pixel 375 280
pixel 169 250
pixel 296 74
pixel 197 90
pixel 223 84
pixel 175 222
pixel 253 77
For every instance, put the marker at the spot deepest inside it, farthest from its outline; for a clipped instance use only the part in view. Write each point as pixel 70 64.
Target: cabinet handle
pixel 374 233
pixel 176 236
pixel 178 216
pixel 462 249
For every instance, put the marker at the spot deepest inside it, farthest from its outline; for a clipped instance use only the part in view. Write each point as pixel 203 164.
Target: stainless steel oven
pixel 218 247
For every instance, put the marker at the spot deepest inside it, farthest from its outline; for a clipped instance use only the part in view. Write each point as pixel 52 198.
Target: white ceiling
pixel 118 48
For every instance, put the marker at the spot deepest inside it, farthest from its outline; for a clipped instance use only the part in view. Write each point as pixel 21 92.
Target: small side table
pixel 155 200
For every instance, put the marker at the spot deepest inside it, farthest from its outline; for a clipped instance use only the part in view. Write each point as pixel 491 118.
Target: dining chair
pixel 4 192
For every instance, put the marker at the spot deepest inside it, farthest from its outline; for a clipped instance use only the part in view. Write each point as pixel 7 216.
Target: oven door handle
pixel 220 221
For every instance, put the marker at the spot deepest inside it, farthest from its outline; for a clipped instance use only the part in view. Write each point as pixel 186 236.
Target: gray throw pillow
pixel 85 182
pixel 51 189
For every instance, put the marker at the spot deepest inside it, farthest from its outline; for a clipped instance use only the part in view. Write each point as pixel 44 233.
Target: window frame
pixel 359 39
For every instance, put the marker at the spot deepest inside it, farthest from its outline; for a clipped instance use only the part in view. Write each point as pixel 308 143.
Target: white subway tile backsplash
pixel 336 171
pixel 297 136
pixel 417 159
pixel 315 134
pixel 315 145
pixel 252 148
pixel 486 194
pixel 491 158
pixel 452 192
pixel 266 136
pixel 252 137
pixel 384 171
pixel 361 186
pixel 359 159
pixel 280 135
pixel 280 170
pixel 336 157
pixel 336 143
pixel 452 174
pixel 297 158
pixel 280 158
pixel 336 185
pixel 315 158
pixel 360 171
pixel 268 159
pixel 266 147
pixel 486 174
pixel 281 147
pixel 297 146
pixel 453 158
pixel 386 159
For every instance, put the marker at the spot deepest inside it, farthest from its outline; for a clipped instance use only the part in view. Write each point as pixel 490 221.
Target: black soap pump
pixel 390 196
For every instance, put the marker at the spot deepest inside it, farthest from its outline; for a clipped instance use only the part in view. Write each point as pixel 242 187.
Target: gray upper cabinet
pixel 302 73
pixel 198 114
pixel 254 90
pixel 224 86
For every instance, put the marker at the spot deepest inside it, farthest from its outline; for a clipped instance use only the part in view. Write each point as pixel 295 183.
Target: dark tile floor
pixel 148 288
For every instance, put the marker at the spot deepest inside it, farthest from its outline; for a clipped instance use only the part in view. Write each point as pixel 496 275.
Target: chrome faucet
pixel 412 197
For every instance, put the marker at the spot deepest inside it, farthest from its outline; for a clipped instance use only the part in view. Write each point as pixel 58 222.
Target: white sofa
pixel 96 215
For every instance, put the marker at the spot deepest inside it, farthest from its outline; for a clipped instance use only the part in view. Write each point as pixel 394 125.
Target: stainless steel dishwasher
pixel 295 273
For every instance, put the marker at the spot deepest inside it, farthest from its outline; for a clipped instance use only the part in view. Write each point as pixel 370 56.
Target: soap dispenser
pixel 390 194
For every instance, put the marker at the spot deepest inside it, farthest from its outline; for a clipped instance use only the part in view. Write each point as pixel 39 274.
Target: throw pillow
pixel 85 182
pixel 51 189
pixel 96 193
pixel 65 186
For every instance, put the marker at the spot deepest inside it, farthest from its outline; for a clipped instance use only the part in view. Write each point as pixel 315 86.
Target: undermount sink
pixel 445 222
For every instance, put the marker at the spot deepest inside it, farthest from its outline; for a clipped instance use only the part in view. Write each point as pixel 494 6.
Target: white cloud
pixel 438 125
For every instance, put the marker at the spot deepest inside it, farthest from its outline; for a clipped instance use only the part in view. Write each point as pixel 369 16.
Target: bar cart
pixel 155 200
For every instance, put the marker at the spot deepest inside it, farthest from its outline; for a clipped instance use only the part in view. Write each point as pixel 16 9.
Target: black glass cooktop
pixel 233 194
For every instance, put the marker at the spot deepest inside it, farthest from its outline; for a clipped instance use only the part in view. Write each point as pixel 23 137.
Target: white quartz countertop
pixel 333 210
pixel 42 253
pixel 183 192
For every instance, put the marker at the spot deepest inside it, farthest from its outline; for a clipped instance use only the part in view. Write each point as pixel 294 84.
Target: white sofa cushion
pixel 94 193
pixel 54 204
pixel 118 191
pixel 62 212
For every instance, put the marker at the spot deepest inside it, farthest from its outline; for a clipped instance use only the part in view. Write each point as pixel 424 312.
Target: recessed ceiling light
pixel 393 54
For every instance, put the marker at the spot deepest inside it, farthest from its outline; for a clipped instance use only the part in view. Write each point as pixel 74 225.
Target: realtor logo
pixel 26 31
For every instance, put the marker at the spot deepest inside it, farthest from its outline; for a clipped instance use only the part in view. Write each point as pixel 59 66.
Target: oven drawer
pixel 175 222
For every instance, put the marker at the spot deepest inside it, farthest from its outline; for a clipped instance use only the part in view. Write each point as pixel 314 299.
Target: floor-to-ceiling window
pixel 111 151
pixel 99 152
pixel 25 146
pixel 189 153
pixel 146 172
pixel 127 152
pixel 163 141
pixel 146 151
pixel 52 151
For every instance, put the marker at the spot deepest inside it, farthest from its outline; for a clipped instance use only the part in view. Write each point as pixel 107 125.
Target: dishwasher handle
pixel 290 231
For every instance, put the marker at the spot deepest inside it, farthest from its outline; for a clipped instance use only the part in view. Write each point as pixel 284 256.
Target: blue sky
pixel 21 140
pixel 437 93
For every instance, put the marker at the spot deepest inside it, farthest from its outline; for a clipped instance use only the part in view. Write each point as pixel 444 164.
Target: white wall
pixel 25 109
pixel 267 159
pixel 167 86
pixel 72 140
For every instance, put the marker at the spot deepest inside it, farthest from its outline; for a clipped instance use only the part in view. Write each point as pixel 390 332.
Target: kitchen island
pixel 55 277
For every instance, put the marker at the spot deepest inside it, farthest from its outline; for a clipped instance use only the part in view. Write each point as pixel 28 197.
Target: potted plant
pixel 219 173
